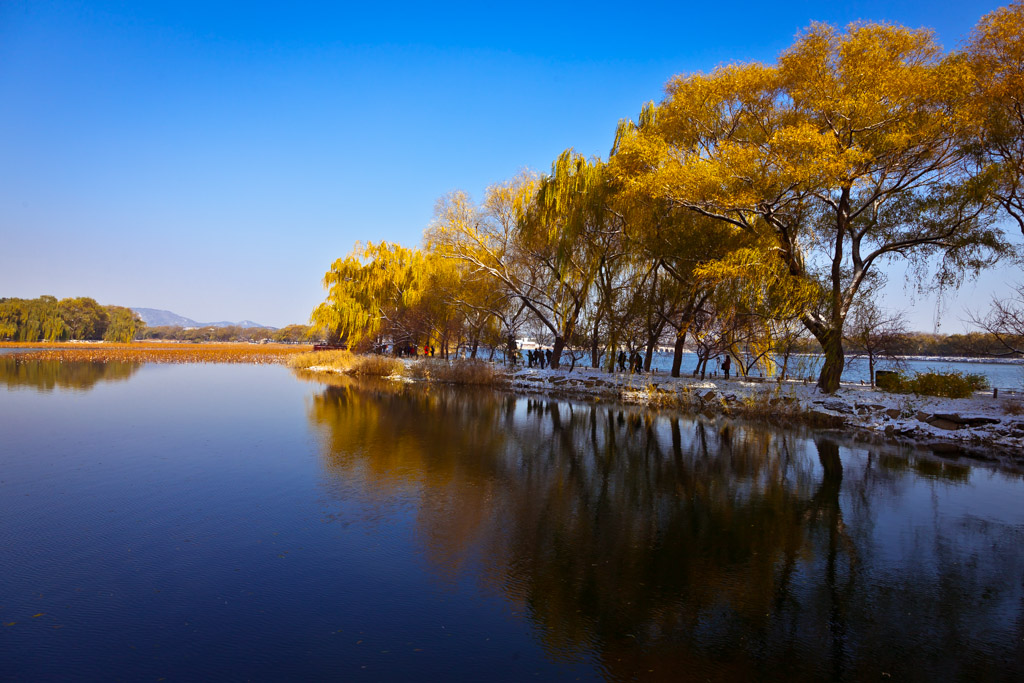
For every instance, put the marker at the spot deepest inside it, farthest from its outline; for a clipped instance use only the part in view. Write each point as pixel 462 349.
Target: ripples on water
pixel 231 521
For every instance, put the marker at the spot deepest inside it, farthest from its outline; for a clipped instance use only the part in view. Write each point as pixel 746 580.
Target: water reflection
pixel 661 547
pixel 46 375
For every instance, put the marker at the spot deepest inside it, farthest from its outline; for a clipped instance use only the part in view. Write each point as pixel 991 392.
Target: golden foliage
pixel 367 288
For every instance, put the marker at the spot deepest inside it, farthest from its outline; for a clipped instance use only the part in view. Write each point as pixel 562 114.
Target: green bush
pixel 942 384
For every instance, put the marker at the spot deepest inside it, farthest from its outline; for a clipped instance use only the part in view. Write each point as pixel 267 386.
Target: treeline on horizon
pixel 292 334
pixel 752 210
pixel 47 319
pixel 967 344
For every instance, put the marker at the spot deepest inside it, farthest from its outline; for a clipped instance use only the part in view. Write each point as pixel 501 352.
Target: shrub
pixel 942 384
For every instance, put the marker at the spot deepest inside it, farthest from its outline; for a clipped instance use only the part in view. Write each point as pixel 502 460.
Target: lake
pixel 242 522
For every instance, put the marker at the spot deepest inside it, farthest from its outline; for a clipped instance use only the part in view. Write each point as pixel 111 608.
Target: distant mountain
pixel 155 317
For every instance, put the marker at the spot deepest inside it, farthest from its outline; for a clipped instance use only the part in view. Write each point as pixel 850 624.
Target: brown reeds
pixel 349 363
pixel 142 352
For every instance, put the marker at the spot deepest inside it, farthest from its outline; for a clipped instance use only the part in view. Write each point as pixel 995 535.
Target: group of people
pixel 538 356
pixel 413 350
pixel 636 362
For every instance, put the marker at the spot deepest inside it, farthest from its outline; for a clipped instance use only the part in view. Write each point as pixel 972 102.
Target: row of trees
pixel 752 206
pixel 47 319
pixel 292 334
pixel 51 320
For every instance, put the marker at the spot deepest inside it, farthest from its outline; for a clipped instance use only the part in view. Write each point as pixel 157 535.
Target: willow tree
pixel 475 304
pixel 369 289
pixel 83 318
pixel 753 293
pixel 123 325
pixel 843 155
pixel 995 107
pixel 529 236
pixel 570 232
pixel 671 241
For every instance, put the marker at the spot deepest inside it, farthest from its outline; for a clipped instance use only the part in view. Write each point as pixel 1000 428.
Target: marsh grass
pixel 379 366
pixel 349 363
pixel 1013 407
pixel 475 372
pixel 336 360
pixel 141 352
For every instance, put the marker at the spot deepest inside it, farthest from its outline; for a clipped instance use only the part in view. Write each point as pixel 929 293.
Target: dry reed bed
pixel 427 370
pixel 165 353
pixel 348 363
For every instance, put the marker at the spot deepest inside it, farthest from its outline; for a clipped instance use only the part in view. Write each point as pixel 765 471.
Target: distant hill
pixel 155 317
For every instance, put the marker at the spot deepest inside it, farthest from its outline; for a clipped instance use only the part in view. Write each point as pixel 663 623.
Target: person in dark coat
pixel 622 361
pixel 726 364
pixel 547 357
pixel 637 362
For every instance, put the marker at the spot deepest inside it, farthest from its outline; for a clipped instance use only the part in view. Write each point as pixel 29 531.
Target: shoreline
pixel 980 428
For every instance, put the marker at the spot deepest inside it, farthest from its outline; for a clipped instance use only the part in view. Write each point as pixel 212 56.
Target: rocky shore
pixel 982 426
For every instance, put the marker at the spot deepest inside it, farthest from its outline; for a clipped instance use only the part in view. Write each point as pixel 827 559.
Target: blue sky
pixel 214 158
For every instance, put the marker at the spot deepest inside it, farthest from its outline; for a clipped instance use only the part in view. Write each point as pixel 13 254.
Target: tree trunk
pixel 595 357
pixel 832 370
pixel 556 351
pixel 476 344
pixel 652 341
pixel 677 354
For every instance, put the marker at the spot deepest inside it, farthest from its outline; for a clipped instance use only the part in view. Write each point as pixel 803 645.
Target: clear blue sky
pixel 214 158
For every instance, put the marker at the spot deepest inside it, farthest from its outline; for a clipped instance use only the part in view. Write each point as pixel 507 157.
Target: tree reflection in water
pixel 670 547
pixel 46 375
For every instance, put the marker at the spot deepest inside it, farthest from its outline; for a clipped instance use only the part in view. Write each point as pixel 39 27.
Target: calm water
pixel 237 522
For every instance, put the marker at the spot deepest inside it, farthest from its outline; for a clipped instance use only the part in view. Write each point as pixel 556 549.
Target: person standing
pixel 726 364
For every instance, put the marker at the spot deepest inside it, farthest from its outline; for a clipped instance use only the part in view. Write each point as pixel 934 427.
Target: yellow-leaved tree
pixel 995 108
pixel 844 155
pixel 371 288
